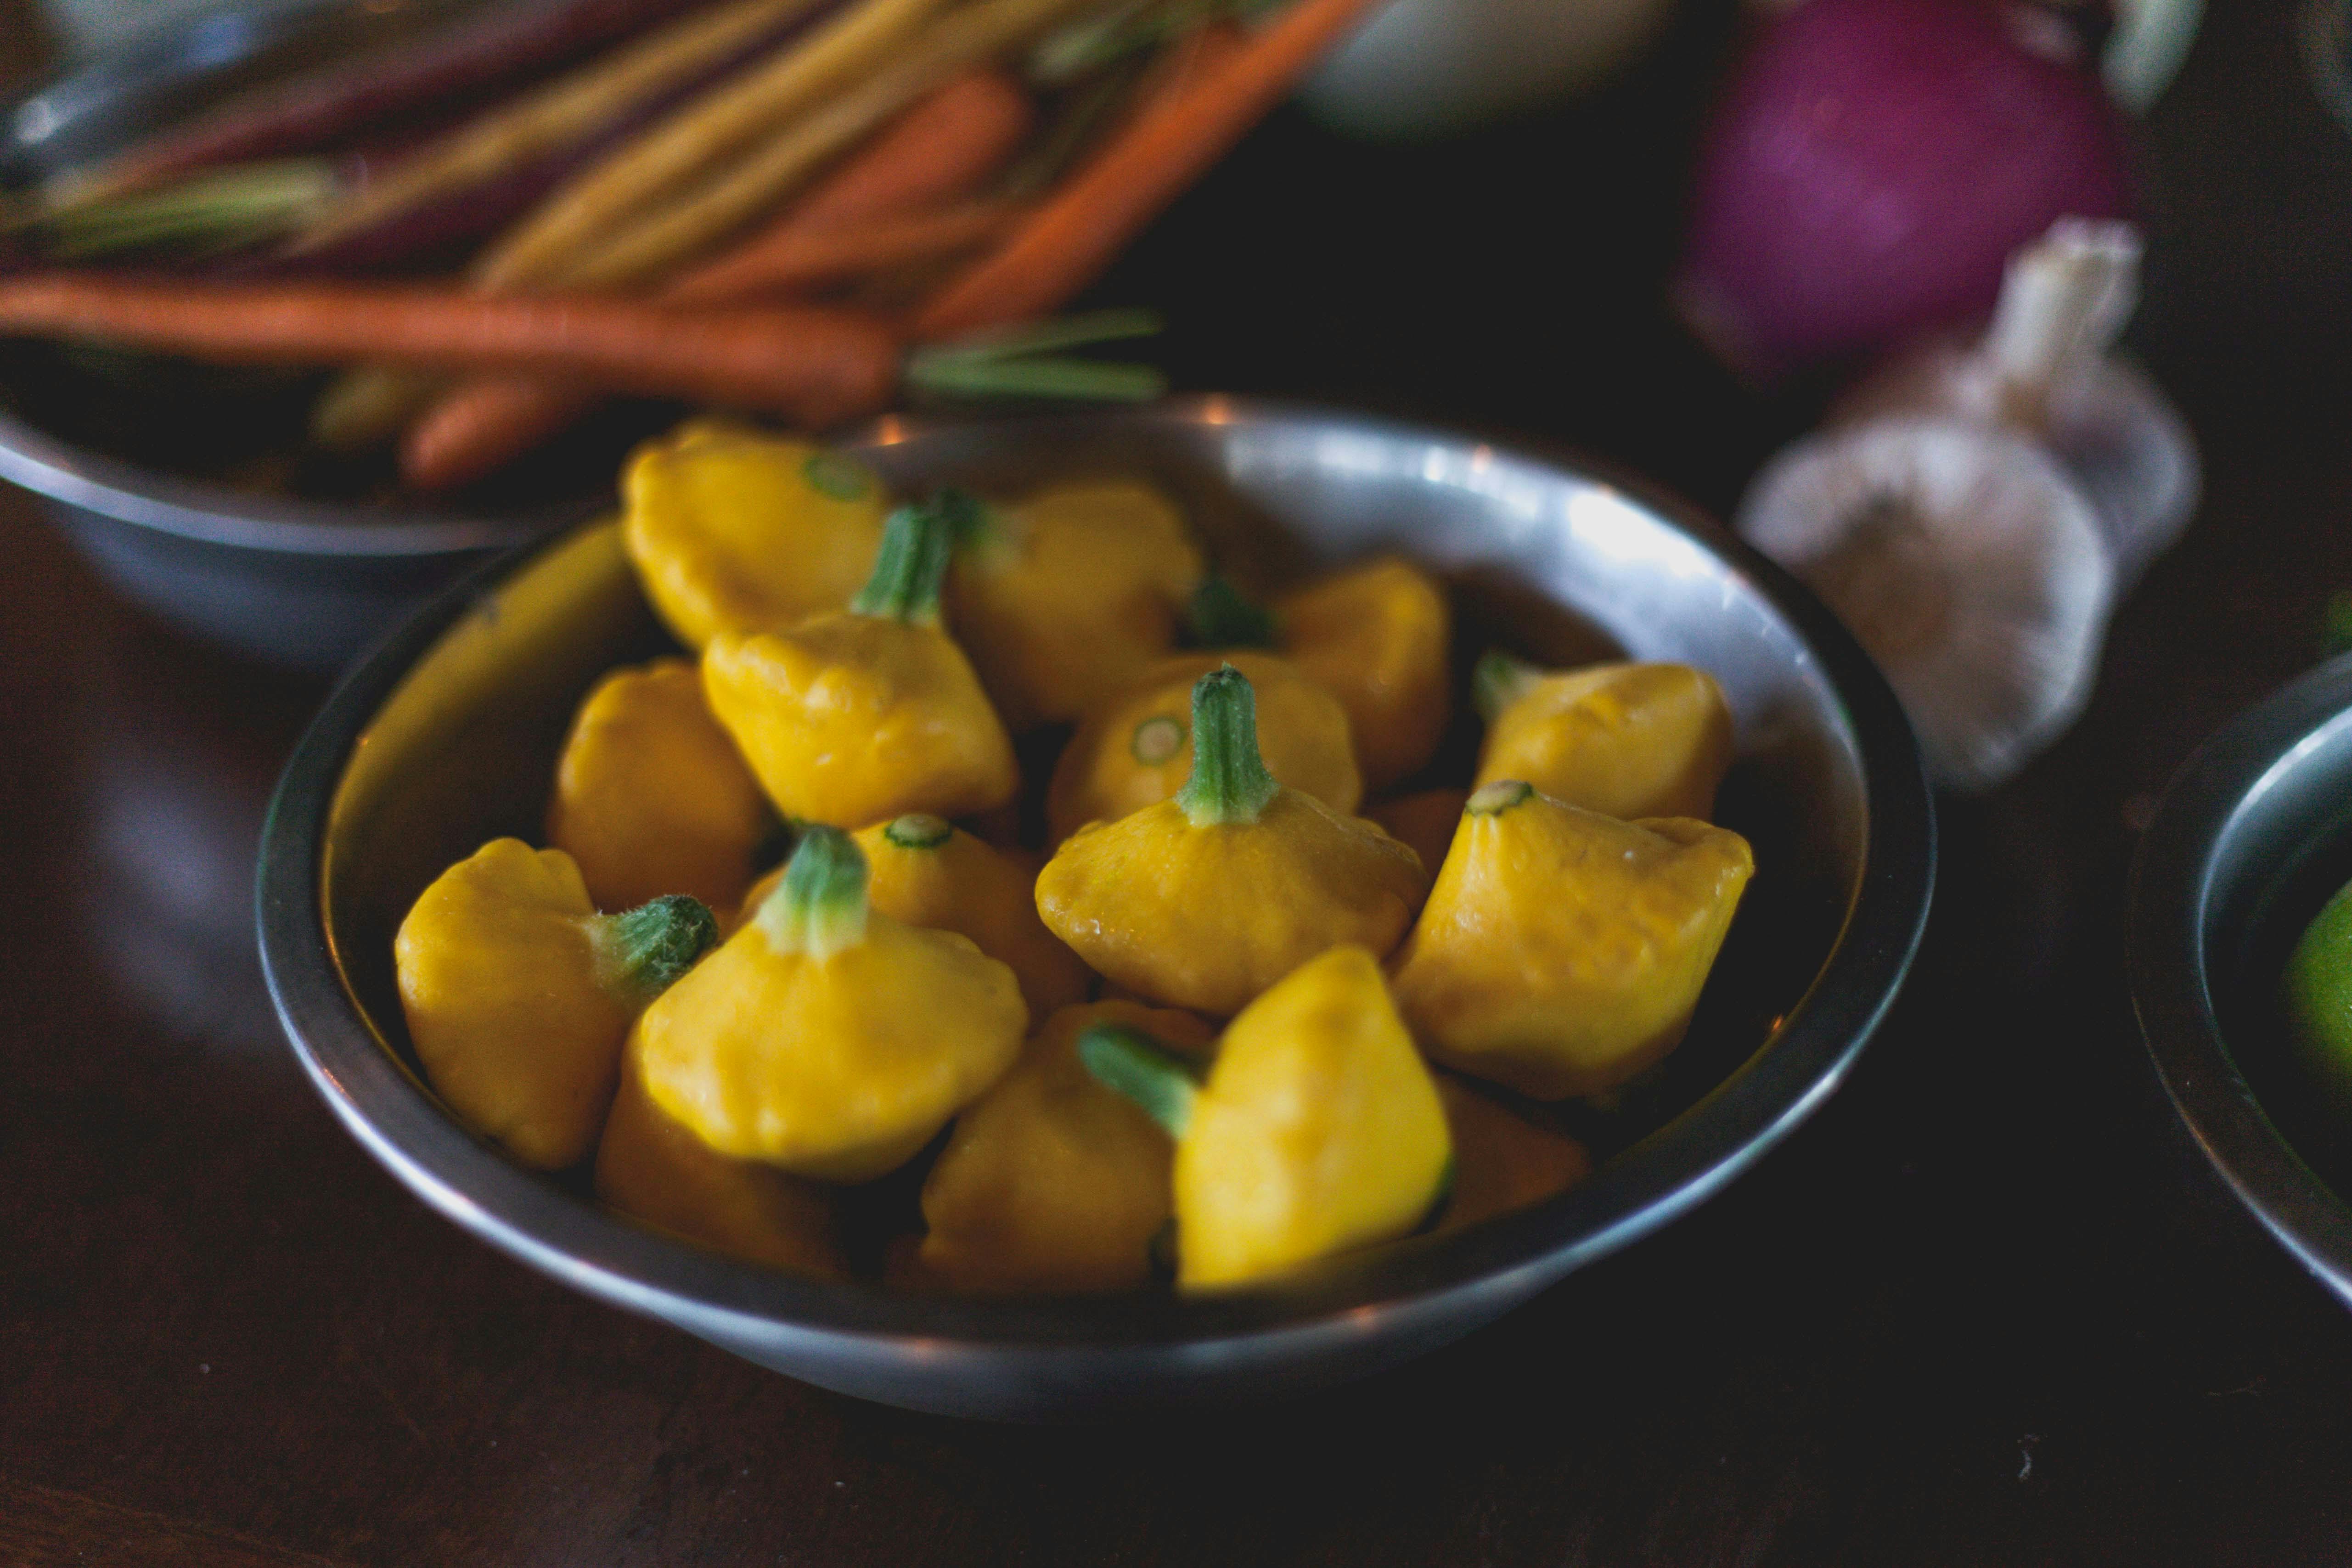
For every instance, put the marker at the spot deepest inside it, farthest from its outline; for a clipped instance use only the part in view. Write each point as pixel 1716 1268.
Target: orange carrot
pixel 814 258
pixel 940 151
pixel 814 366
pixel 1076 234
pixel 487 422
pixel 1180 67
pixel 483 424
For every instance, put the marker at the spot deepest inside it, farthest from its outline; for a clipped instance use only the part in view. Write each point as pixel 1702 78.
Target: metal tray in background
pixel 2252 837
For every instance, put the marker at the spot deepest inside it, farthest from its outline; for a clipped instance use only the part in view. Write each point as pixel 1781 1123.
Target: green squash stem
pixel 1135 1066
pixel 920 830
pixel 1494 800
pixel 916 542
pixel 1229 785
pixel 1500 680
pixel 819 905
pixel 646 950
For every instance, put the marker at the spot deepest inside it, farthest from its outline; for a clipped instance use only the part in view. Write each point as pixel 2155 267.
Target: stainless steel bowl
pixel 2252 837
pixel 303 582
pixel 447 736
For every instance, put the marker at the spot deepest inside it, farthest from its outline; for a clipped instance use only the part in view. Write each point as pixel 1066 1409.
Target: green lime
pixel 2318 998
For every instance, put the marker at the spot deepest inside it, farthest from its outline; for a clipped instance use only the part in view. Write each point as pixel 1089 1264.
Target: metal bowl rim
pixel 213 514
pixel 200 510
pixel 2172 878
pixel 1673 1169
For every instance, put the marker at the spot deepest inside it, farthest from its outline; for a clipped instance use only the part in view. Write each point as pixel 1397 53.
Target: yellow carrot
pixel 555 116
pixel 549 245
pixel 367 405
pixel 370 404
pixel 946 147
pixel 693 223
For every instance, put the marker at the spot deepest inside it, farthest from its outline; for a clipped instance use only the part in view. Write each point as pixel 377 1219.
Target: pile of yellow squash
pixel 1222 1026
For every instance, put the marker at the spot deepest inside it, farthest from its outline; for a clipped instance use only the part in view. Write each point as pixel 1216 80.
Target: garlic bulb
pixel 1969 564
pixel 2043 371
pixel 1426 67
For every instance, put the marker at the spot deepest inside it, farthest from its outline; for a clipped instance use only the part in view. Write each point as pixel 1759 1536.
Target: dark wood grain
pixel 1989 1308
pixel 44 1529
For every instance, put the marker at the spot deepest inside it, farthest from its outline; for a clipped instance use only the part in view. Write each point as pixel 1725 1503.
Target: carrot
pixel 942 150
pixel 939 150
pixel 691 223
pixel 813 255
pixel 1077 232
pixel 1185 63
pixel 430 217
pixel 481 425
pixel 566 240
pixel 567 110
pixel 305 113
pixel 552 250
pixel 814 366
pixel 585 213
pixel 1120 93
pixel 485 422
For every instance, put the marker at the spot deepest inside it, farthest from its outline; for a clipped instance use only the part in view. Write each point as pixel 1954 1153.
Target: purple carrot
pixel 310 111
pixel 432 236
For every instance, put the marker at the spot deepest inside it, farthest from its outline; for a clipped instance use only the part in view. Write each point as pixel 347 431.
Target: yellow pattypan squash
pixel 855 717
pixel 734 530
pixel 1135 750
pixel 1562 951
pixel 825 1037
pixel 1316 1130
pixel 656 1172
pixel 926 871
pixel 1067 598
pixel 1377 637
pixel 1052 1183
pixel 1205 900
pixel 651 796
pixel 1625 740
pixel 519 994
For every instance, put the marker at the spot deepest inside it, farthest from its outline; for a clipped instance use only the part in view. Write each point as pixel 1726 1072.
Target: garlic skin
pixel 2043 371
pixel 1966 560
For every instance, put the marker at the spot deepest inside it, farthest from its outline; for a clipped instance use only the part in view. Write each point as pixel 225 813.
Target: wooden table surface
pixel 1988 1308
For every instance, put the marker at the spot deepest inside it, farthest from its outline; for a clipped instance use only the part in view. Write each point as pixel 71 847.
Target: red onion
pixel 1871 166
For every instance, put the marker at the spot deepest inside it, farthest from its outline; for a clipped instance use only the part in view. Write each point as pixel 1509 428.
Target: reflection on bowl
pixel 2251 839
pixel 447 734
